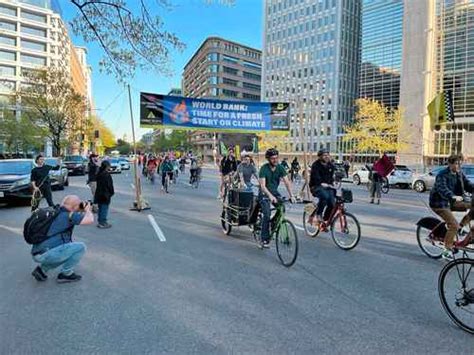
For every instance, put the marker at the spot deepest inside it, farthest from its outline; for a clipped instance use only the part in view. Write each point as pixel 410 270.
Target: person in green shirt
pixel 270 175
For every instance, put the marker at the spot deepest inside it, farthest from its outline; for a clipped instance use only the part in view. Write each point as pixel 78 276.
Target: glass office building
pixel 381 57
pixel 311 59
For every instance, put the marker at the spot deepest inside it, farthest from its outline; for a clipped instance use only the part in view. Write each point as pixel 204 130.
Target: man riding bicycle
pixel 448 193
pixel 195 169
pixel 227 168
pixel 320 183
pixel 269 176
pixel 166 169
pixel 151 166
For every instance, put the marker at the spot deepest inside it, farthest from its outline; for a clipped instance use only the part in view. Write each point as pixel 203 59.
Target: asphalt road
pixel 203 292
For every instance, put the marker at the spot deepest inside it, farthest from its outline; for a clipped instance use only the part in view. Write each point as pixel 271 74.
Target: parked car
pixel 124 163
pixel 115 166
pixel 401 176
pixel 75 164
pixel 426 181
pixel 59 176
pixel 15 181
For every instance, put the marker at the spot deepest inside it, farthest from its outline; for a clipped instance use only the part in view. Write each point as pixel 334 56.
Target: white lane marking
pixel 158 231
pixel 298 227
pixel 133 186
pixel 12 229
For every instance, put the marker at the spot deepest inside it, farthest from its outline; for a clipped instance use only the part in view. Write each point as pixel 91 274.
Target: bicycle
pixel 195 178
pixel 166 186
pixel 344 226
pixel 151 176
pixel 456 289
pixel 281 229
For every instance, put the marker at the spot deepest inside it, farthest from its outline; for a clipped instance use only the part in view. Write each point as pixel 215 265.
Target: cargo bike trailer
pixel 241 208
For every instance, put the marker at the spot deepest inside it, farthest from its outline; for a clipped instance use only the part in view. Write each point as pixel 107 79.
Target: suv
pixel 75 164
pixel 426 181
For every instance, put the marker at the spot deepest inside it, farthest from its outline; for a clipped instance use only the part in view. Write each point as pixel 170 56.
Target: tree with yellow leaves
pixel 268 140
pixel 375 128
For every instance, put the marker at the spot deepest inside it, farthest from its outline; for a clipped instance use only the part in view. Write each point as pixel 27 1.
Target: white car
pixel 124 163
pixel 115 166
pixel 401 176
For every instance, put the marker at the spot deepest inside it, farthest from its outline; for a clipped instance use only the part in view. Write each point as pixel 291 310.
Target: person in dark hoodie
pixel 320 183
pixel 92 175
pixel 104 193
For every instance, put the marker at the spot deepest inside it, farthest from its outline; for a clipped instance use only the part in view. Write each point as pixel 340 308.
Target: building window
pixel 230 59
pixel 7 85
pixel 251 86
pixel 212 80
pixel 33 31
pixel 213 68
pixel 230 82
pixel 213 57
pixel 7 71
pixel 33 17
pixel 4 55
pixel 252 65
pixel 5 10
pixel 31 59
pixel 36 46
pixel 251 96
pixel 7 26
pixel 229 93
pixel 251 76
pixel 230 71
pixel 214 92
pixel 10 41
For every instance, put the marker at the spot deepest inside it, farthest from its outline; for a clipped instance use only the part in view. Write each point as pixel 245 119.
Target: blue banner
pixel 207 114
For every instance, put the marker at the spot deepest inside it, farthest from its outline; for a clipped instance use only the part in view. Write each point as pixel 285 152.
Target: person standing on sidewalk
pixel 59 249
pixel 41 183
pixel 92 175
pixel 104 193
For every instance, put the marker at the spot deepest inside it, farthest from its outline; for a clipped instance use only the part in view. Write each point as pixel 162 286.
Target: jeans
pixel 68 255
pixel 375 188
pixel 266 205
pixel 103 212
pixel 326 200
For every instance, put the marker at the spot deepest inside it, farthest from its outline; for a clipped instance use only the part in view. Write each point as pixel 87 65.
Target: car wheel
pixel 419 186
pixel 356 179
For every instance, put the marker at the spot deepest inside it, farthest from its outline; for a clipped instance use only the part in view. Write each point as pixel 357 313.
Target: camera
pixel 83 204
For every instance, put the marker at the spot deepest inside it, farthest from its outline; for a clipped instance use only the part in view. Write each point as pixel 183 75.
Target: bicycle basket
pixel 347 196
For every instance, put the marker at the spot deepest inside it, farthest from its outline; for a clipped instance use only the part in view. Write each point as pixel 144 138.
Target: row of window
pixel 10 11
pixel 6 70
pixel 322 5
pixel 11 26
pixel 24 58
pixel 8 86
pixel 313 25
pixel 233 94
pixel 11 41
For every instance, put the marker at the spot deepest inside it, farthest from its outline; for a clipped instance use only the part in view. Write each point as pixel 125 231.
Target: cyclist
pixel 320 183
pixel 295 168
pixel 285 164
pixel 166 168
pixel 448 192
pixel 228 166
pixel 270 175
pixel 194 169
pixel 175 164
pixel 151 165
pixel 246 170
pixel 182 163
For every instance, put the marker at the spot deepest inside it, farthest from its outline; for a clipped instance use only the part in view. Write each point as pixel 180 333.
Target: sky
pixel 192 21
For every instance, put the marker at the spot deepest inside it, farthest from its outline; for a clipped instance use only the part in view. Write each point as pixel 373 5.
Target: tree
pixel 177 140
pixel 268 140
pixel 106 135
pixel 123 147
pixel 49 101
pixel 130 36
pixel 20 135
pixel 376 127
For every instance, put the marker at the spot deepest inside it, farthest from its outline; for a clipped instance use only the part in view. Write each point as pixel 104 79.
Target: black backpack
pixel 37 225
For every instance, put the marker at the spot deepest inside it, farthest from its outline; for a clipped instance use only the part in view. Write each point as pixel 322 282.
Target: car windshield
pixel 52 162
pixel 15 167
pixel 77 158
pixel 123 159
pixel 114 161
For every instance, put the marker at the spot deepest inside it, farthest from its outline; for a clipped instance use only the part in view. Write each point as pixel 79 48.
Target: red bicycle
pixel 344 226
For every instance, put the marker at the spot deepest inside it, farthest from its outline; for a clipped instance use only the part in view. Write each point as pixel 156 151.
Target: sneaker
pixel 68 278
pixel 371 201
pixel 104 225
pixel 39 274
pixel 266 244
pixel 447 255
pixel 378 202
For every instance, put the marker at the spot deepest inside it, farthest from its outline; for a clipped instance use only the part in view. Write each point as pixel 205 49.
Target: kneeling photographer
pixel 50 231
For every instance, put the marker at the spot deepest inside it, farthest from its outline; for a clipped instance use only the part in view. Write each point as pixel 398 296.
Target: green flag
pixel 255 145
pixel 441 109
pixel 223 148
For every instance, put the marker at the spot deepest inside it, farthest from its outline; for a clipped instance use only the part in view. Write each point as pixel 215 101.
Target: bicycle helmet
pixel 322 151
pixel 271 153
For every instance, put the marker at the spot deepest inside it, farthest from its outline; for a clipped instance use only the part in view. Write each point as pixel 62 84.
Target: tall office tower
pixel 438 49
pixel 226 70
pixel 311 59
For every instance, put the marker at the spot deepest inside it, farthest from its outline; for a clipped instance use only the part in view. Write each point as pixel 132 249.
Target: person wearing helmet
pixel 270 175
pixel 320 182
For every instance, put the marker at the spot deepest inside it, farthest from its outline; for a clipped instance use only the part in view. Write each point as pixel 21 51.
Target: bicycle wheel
pixel 385 186
pixel 431 247
pixel 310 229
pixel 456 292
pixel 345 231
pixel 225 222
pixel 287 243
